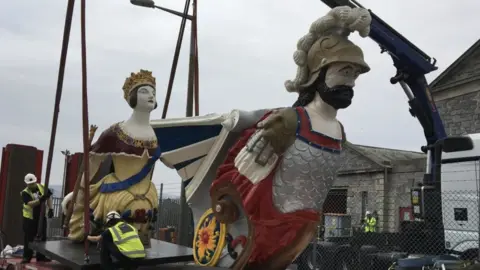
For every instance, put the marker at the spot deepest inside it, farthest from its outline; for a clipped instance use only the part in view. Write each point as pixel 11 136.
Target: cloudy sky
pixel 246 49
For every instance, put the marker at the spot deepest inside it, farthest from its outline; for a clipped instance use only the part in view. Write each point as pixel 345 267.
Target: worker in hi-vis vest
pixel 370 222
pixel 32 198
pixel 121 241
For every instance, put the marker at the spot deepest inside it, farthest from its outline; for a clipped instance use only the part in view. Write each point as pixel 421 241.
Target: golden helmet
pixel 327 42
pixel 333 49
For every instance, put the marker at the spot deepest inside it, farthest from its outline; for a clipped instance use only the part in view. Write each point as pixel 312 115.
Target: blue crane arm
pixel 412 64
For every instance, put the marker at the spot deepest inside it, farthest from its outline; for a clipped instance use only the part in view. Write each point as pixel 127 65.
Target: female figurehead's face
pixel 146 99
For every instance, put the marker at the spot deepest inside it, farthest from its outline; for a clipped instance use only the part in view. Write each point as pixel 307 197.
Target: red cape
pixel 273 230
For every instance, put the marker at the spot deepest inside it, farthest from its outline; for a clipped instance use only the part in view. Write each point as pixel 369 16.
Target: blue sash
pixel 134 179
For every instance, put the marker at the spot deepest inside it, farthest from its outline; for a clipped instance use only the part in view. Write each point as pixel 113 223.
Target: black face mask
pixel 339 97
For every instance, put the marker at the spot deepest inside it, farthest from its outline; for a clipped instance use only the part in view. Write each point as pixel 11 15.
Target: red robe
pixel 273 230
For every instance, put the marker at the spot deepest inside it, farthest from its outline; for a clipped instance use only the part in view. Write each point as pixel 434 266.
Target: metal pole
pixel 196 83
pixel 56 110
pixel 191 74
pixel 184 213
pixel 176 54
pixel 159 215
pixel 67 155
pixel 86 141
pixel 314 250
pixel 175 60
pixel 183 226
pixel 477 167
pixel 174 12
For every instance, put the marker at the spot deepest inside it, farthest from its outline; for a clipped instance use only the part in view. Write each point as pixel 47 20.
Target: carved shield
pixel 225 202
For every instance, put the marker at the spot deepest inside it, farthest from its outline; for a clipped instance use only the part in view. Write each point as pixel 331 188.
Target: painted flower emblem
pixel 206 241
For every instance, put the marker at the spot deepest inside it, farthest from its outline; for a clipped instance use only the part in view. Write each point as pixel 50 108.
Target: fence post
pixel 159 212
pixel 314 249
pixel 478 204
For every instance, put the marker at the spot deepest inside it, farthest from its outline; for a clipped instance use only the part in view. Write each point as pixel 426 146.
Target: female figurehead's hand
pixel 92 238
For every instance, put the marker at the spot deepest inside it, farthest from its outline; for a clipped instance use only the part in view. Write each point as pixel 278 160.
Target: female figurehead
pixel 121 163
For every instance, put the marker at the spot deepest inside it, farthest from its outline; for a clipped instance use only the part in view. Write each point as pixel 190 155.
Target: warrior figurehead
pixel 280 170
pixel 328 63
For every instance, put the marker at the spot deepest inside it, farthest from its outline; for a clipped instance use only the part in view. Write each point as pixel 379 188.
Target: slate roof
pixel 443 80
pixel 384 156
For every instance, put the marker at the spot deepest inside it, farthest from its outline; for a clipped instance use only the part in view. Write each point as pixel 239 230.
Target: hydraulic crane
pixel 412 65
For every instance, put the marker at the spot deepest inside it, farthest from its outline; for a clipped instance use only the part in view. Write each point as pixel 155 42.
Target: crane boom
pixel 404 53
pixel 412 64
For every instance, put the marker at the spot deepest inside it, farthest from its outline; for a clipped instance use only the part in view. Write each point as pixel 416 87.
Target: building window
pixel 336 202
pixel 364 202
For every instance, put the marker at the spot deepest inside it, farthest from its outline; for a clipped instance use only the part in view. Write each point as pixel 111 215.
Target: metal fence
pixel 345 240
pixel 403 235
pixel 168 218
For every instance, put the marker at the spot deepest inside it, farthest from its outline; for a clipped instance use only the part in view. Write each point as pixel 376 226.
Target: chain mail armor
pixel 307 170
pixel 304 177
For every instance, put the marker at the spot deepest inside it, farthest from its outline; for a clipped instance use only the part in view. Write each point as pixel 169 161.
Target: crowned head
pixel 139 90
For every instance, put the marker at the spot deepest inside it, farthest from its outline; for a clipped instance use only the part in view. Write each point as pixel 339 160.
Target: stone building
pixel 375 179
pixel 380 179
pixel 457 93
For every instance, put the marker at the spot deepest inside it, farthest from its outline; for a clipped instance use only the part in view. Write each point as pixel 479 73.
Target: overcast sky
pixel 246 49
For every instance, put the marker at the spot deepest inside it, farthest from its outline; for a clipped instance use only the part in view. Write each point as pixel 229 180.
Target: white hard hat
pixel 112 215
pixel 368 213
pixel 30 178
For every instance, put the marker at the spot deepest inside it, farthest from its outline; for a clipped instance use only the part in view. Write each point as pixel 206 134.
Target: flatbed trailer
pixel 67 255
pixel 15 264
pixel 71 255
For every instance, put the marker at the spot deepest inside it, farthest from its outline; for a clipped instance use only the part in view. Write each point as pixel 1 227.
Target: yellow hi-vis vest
pixel 371 225
pixel 27 209
pixel 126 238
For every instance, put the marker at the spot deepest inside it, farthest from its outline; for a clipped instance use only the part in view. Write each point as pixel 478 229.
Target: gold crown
pixel 136 79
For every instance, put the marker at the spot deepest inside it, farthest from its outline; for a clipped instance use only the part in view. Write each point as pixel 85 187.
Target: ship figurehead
pixel 269 171
pixel 121 164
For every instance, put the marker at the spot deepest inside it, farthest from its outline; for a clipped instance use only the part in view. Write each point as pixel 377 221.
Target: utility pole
pixel 192 94
pixel 159 213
